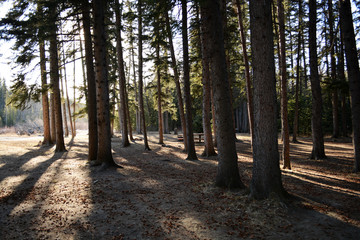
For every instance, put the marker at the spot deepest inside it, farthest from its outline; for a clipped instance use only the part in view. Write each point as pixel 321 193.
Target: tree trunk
pixel 297 84
pixel 186 68
pixel 127 105
pixel 67 98
pixel 352 64
pixel 296 110
pixel 83 64
pixel 342 78
pixel 128 117
pixel 158 77
pixel 266 179
pixel 52 115
pixel 227 172
pixel 249 90
pixel 62 76
pixel 137 114
pixel 63 100
pixel 284 101
pixel 102 86
pixel 205 55
pixel 177 80
pixel 54 78
pixel 72 119
pixel 335 96
pixel 44 86
pixel 227 43
pixel 318 151
pixel 45 100
pixel 166 122
pixel 91 84
pixel 140 63
pixel 122 81
pixel 304 63
pixel 213 113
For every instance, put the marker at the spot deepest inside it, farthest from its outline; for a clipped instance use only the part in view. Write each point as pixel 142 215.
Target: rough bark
pixel 353 74
pixel 140 63
pixel 344 92
pixel 44 93
pixel 227 45
pixel 54 77
pixel 71 119
pixel 63 100
pixel 318 151
pixel 213 113
pixel 44 86
pixel 209 149
pixel 334 94
pixel 104 154
pixel 227 172
pixel 158 81
pixel 177 80
pixel 249 93
pixel 266 179
pixel 137 115
pixel 67 98
pixel 91 84
pixel 122 81
pixel 83 64
pixel 52 115
pixel 297 84
pixel 129 119
pixel 186 68
pixel 283 75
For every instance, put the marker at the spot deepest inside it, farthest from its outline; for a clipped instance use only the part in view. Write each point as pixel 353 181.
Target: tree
pixel 353 74
pixel 158 78
pixel 63 101
pixel 54 77
pixel 104 154
pixel 44 88
pixel 266 177
pixel 284 100
pixel 91 83
pixel 318 151
pixel 177 79
pixel 297 81
pixel 186 68
pixel 335 96
pixel 249 89
pixel 227 172
pixel 122 80
pixel 131 38
pixel 208 140
pixel 342 78
pixel 140 69
pixel 156 43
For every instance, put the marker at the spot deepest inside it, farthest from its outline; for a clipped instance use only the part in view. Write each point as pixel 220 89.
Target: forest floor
pixel 159 195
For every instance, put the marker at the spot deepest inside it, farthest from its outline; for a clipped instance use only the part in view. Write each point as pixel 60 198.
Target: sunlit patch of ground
pixel 159 195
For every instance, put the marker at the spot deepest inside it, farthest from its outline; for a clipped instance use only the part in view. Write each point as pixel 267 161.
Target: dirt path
pixel 158 195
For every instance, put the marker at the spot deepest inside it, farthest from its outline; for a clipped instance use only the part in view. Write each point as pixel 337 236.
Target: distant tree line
pixel 11 115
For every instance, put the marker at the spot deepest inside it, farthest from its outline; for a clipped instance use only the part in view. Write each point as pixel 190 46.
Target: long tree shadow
pixel 25 187
pixel 149 199
pixel 158 195
pixel 144 195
